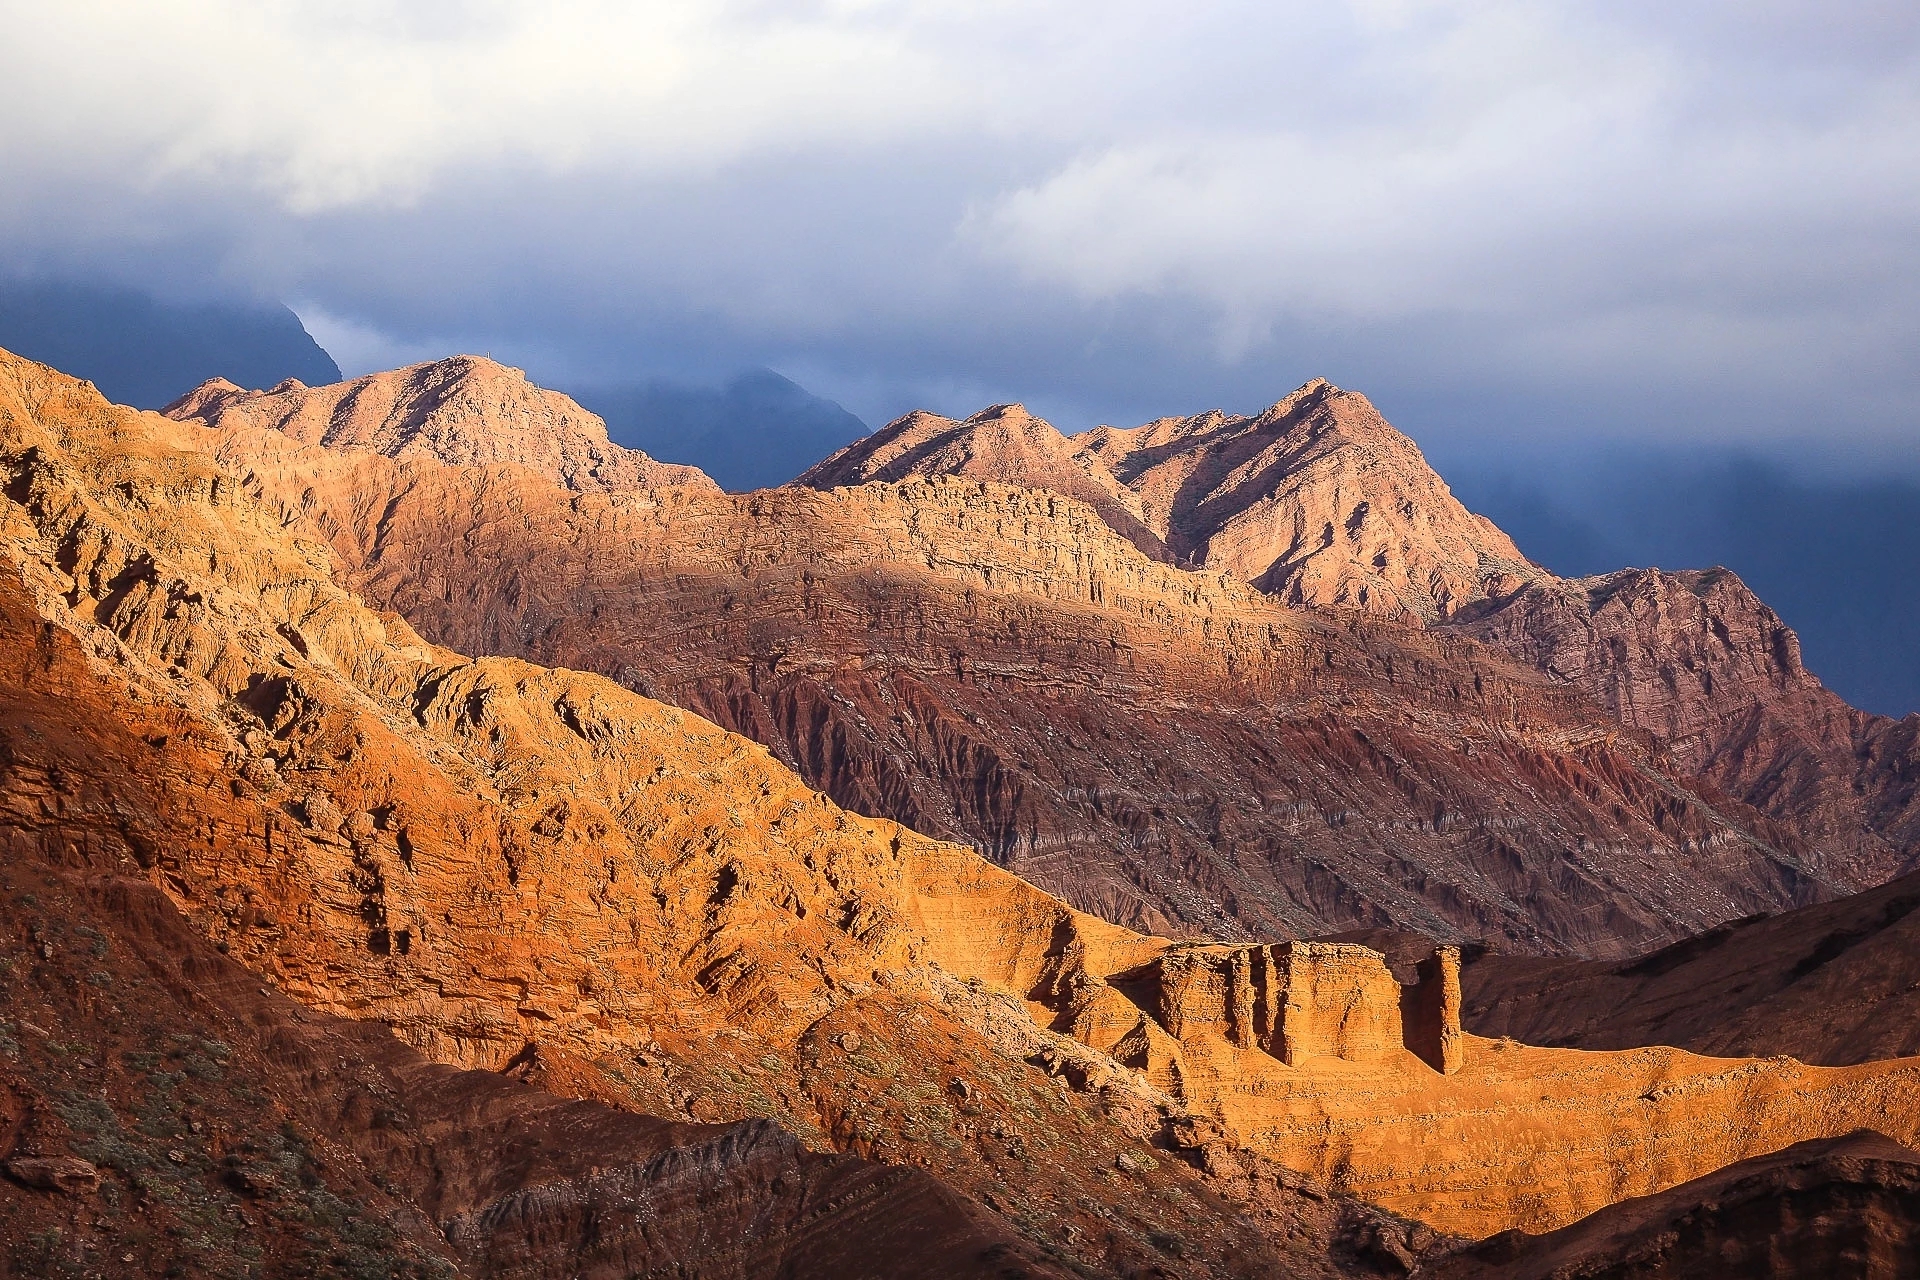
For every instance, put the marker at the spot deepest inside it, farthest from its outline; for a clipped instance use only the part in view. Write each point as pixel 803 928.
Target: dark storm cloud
pixel 1503 220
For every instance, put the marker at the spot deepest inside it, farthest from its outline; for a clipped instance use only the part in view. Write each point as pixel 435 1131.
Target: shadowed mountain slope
pixel 1838 1207
pixel 144 352
pixel 1320 502
pixel 1696 659
pixel 1833 983
pixel 755 431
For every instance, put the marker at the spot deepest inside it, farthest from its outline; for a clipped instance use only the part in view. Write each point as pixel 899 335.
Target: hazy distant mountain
pixel 758 430
pixel 146 353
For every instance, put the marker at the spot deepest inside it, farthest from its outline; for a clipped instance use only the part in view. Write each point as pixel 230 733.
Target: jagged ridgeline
pixel 422 900
pixel 1172 749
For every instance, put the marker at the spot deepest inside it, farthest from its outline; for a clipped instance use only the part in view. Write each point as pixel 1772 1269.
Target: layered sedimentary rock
pixel 465 409
pixel 540 872
pixel 1837 1207
pixel 1168 749
pixel 1834 983
pixel 1698 660
pixel 1318 501
pixel 163 1113
pixel 1321 502
pixel 1002 443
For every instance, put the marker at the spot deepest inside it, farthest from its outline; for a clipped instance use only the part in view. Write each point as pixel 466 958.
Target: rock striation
pixel 1168 749
pixel 464 410
pixel 1003 443
pixel 1696 659
pixel 1318 501
pixel 531 872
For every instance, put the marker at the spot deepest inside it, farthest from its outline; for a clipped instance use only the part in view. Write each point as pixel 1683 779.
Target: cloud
pixel 1624 216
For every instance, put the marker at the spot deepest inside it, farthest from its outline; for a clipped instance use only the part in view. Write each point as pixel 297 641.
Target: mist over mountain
pixel 756 431
pixel 145 352
pixel 1835 556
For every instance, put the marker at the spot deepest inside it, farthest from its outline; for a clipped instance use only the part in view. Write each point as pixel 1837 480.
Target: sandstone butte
pixel 1171 750
pixel 538 872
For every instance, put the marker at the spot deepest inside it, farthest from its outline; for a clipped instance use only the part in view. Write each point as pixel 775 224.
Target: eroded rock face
pixel 465 409
pixel 1317 501
pixel 1698 660
pixel 1297 1001
pixel 234 1129
pixel 1003 443
pixel 1320 502
pixel 1168 749
pixel 486 855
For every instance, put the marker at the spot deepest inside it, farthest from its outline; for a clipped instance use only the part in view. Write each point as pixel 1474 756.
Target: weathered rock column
pixel 1433 1014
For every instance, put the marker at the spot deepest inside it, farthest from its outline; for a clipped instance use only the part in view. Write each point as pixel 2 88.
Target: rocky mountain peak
pixel 464 410
pixel 1002 443
pixel 1319 500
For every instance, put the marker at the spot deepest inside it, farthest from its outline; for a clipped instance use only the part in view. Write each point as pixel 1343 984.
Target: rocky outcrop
pixel 1698 660
pixel 1321 502
pixel 1168 749
pixel 1838 1207
pixel 465 410
pixel 484 855
pixel 1297 1001
pixel 1317 501
pixel 487 856
pixel 205 1124
pixel 1003 443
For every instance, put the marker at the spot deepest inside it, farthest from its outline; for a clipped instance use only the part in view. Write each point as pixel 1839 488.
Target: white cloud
pixel 1108 204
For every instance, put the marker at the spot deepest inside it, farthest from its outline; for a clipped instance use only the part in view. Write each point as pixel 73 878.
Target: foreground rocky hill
pixel 1170 750
pixel 540 874
pixel 1840 1207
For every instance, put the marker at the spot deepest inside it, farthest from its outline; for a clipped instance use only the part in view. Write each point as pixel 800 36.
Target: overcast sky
pixel 1510 223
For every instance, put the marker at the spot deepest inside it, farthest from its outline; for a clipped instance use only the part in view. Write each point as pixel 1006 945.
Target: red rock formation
pixel 489 856
pixel 1003 443
pixel 486 855
pixel 1698 660
pixel 1167 749
pixel 465 409
pixel 1318 501
pixel 162 1111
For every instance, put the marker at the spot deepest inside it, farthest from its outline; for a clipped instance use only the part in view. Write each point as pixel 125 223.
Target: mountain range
pixel 704 920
